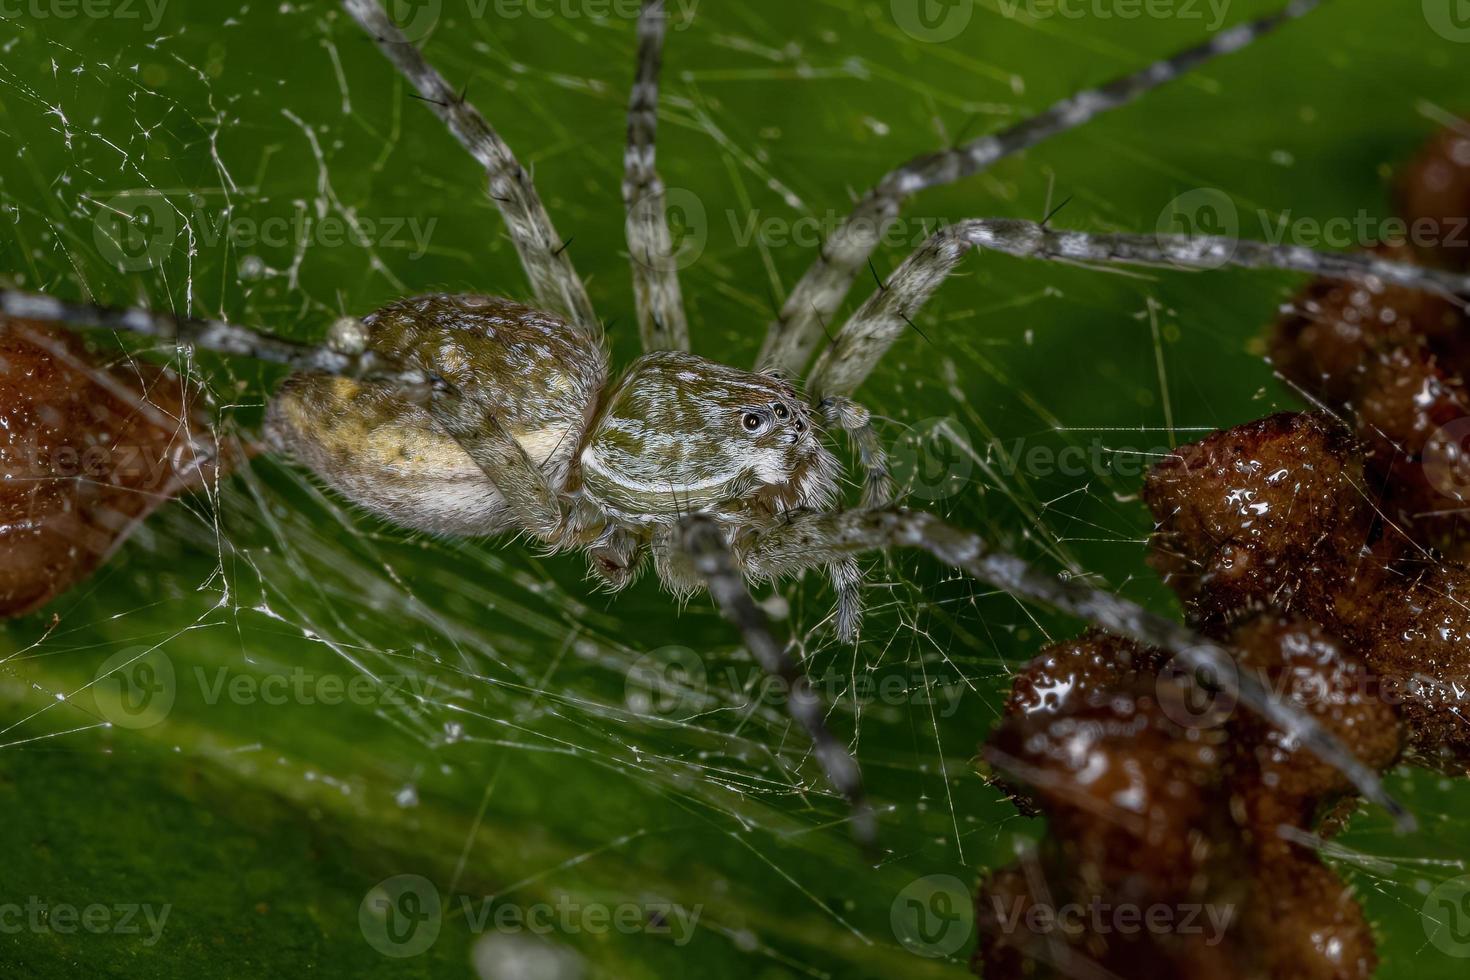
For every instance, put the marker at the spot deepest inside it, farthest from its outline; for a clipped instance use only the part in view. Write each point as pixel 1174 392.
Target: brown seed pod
pixel 1275 781
pixel 1324 555
pixel 1433 195
pixel 1327 337
pixel 1304 923
pixel 86 453
pixel 1394 362
pixel 1177 826
pixel 1159 783
pixel 1416 636
pixel 1269 514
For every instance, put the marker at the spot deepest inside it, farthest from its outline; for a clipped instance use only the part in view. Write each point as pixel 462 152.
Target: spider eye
pixel 752 421
pixel 781 411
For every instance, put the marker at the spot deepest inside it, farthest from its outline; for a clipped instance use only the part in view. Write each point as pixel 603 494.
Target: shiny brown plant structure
pixel 1175 840
pixel 87 451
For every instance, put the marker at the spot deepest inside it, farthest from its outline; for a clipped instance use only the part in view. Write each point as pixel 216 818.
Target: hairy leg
pixel 880 321
pixel 350 358
pixel 857 422
pixel 701 543
pixel 818 538
pixel 662 324
pixel 847 582
pixel 543 254
pixel 531 499
pixel 794 335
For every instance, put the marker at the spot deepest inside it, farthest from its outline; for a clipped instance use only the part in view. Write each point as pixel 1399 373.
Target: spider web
pixel 515 734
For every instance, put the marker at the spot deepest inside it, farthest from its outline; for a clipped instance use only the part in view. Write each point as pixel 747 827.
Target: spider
pixel 475 415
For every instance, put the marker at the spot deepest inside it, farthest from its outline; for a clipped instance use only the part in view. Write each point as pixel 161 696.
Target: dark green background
pixel 264 826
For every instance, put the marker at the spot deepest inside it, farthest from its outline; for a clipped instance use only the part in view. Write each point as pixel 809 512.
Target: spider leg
pixel 794 335
pixel 864 339
pixel 857 422
pixel 699 539
pixel 530 498
pixel 211 335
pixel 847 582
pixel 818 538
pixel 662 324
pixel 543 253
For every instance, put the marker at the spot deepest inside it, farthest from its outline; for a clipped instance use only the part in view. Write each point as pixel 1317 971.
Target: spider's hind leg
pixel 504 462
pixel 847 582
pixel 812 539
pixel 700 543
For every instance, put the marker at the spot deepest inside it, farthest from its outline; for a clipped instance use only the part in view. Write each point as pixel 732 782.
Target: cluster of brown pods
pixel 1324 548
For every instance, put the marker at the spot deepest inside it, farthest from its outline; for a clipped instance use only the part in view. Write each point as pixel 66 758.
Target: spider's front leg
pixel 700 542
pixel 857 422
pixel 816 539
pixel 793 336
pixel 879 322
pixel 542 252
pixel 662 324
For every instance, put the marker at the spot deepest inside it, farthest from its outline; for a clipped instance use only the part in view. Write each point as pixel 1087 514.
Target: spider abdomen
pixel 537 376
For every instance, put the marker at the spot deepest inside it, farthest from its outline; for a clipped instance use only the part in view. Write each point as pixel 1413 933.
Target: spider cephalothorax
pixel 681 433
